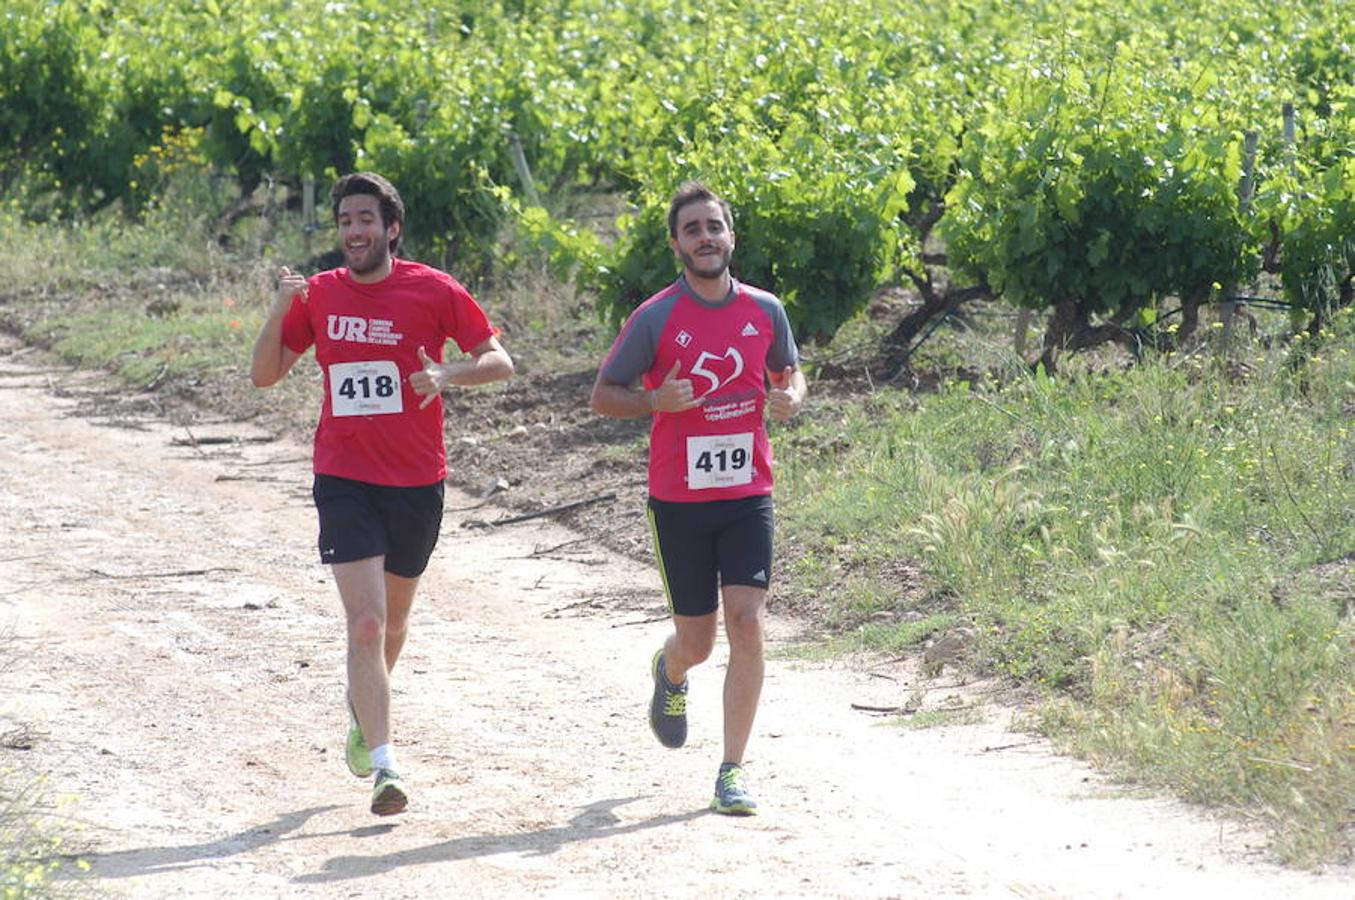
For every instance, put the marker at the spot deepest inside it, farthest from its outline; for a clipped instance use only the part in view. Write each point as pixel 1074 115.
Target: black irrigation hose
pixel 1260 302
pixel 1266 301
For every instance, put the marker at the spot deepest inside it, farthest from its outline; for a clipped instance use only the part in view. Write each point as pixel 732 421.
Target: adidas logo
pixel 749 330
pixel 760 576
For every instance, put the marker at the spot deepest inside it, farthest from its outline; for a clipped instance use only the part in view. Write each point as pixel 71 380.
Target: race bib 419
pixel 719 460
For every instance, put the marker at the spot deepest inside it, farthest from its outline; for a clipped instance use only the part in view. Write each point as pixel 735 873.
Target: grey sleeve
pixel 783 351
pixel 633 352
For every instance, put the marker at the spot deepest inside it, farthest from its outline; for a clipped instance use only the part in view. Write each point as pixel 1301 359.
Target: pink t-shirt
pixel 719 450
pixel 366 339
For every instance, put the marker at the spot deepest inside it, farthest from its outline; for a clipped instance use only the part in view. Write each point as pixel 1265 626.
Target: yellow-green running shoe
pixel 355 751
pixel 731 794
pixel 388 794
pixel 668 707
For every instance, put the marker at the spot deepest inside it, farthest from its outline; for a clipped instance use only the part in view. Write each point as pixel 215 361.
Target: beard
pixel 707 266
pixel 367 261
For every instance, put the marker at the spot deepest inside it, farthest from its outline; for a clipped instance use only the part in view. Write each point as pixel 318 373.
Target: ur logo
pixel 347 328
pixel 683 338
pixel 718 370
pixel 357 330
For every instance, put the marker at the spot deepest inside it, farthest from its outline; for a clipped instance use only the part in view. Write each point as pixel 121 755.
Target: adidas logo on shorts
pixel 760 576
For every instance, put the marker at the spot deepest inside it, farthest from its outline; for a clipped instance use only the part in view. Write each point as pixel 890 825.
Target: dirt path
pixel 180 656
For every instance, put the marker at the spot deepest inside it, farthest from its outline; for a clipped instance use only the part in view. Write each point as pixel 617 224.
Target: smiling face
pixel 364 238
pixel 703 239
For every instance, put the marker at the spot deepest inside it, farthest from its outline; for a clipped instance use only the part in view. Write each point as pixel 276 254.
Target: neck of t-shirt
pixel 700 297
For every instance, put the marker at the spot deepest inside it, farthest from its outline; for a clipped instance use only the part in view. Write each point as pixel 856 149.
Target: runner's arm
pixel 488 362
pixel 272 358
pixel 621 401
pixel 674 394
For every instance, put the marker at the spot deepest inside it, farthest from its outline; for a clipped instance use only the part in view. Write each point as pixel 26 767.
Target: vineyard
pixel 1109 165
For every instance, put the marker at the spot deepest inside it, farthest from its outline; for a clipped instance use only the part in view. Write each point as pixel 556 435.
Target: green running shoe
pixel 355 752
pixel 731 794
pixel 668 708
pixel 388 794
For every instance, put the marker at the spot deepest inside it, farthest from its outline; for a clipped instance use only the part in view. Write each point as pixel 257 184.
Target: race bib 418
pixel 365 388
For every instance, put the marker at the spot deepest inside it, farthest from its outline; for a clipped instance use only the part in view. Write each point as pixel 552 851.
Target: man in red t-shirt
pixel 699 358
pixel 378 325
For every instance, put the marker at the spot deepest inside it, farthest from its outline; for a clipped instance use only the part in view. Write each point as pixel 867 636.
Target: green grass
pixel 31 846
pixel 1146 545
pixel 939 718
pixel 33 860
pixel 869 637
pixel 148 299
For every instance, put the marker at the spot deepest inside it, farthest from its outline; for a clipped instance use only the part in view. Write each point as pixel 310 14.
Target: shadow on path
pixel 595 821
pixel 152 860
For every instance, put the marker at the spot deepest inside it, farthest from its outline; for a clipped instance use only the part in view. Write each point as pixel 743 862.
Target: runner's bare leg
pixel 399 600
pixel 362 588
pixel 689 645
pixel 744 609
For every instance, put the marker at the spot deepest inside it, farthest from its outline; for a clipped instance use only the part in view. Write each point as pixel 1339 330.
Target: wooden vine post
pixel 307 212
pixel 523 172
pixel 1246 189
pixel 1023 317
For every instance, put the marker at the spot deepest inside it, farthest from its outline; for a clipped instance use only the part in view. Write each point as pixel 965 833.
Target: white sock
pixel 383 757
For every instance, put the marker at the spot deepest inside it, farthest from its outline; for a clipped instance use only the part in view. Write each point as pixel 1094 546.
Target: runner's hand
pixel 427 382
pixel 289 285
pixel 783 401
pixel 674 394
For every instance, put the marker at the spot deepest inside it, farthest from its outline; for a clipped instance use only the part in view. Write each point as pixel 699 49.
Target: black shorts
pixel 701 546
pixel 360 520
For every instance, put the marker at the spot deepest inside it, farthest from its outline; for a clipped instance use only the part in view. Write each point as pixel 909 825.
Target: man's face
pixel 703 242
pixel 365 241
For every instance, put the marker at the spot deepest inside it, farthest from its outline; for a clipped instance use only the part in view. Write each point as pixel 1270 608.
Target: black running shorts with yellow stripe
pixel 701 546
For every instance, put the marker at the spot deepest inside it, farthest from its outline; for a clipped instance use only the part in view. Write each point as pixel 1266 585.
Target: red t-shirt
pixel 719 450
pixel 367 338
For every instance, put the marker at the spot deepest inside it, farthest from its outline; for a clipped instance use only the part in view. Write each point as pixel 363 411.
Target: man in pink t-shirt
pixel 705 358
pixel 379 326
